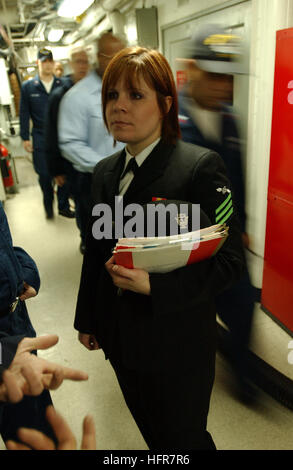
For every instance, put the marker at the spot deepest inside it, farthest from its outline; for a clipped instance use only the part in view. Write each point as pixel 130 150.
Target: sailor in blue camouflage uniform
pixel 19 278
pixel 34 98
pixel 206 119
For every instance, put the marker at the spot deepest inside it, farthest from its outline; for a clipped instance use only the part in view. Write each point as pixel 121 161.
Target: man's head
pixel 210 90
pixel 79 63
pixel 45 62
pixel 58 69
pixel 213 58
pixel 107 47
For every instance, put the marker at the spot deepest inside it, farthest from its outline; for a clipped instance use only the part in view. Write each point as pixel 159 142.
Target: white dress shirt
pixel 48 85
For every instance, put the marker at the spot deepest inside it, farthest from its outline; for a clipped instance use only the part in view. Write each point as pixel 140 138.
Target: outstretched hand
pixel 29 374
pixel 36 440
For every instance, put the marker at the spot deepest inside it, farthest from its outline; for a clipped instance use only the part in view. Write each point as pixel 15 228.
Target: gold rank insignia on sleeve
pixel 225 209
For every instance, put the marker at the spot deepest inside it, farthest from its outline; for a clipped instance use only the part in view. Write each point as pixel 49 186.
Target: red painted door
pixel 277 289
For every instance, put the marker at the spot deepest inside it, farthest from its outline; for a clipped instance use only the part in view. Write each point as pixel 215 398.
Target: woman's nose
pixel 121 103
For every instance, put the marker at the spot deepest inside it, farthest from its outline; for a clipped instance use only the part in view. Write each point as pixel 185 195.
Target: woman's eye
pixel 135 95
pixel 112 95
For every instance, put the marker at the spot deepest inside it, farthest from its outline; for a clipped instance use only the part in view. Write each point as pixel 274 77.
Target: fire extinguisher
pixel 6 167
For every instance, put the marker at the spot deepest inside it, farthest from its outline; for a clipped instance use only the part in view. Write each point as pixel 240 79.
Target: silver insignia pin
pixel 223 190
pixel 182 220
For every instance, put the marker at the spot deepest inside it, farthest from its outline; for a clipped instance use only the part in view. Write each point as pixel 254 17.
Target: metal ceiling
pixel 24 22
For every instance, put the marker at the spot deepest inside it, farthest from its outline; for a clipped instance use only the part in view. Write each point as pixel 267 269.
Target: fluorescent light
pixel 55 35
pixel 72 8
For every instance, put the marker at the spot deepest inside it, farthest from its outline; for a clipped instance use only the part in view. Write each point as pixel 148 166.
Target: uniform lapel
pixel 56 83
pixel 38 83
pixel 152 168
pixel 112 177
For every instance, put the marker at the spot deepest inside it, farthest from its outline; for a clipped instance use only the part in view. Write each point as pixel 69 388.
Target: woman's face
pixel 133 115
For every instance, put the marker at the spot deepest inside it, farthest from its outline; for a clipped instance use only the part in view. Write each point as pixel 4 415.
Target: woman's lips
pixel 121 123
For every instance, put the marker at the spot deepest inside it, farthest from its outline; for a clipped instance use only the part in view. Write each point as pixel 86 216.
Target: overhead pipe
pixel 91 27
pixel 117 21
pixel 8 38
pixel 21 11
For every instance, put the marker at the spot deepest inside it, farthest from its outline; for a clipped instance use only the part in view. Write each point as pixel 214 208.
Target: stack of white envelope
pixel 164 254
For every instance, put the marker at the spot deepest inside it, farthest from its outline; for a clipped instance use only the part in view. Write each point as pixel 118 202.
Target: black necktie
pixel 131 166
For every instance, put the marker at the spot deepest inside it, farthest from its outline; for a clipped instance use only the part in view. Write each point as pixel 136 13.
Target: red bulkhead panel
pixel 277 289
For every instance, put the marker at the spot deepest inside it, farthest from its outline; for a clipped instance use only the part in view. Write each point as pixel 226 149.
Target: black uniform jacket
pixel 174 327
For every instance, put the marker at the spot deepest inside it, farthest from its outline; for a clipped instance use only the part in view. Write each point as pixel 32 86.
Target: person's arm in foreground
pixel 35 440
pixel 29 374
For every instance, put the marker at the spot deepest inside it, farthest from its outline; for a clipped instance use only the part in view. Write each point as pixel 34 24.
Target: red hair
pixel 135 62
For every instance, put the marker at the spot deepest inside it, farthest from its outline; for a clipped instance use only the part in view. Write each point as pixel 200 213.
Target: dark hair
pixel 136 62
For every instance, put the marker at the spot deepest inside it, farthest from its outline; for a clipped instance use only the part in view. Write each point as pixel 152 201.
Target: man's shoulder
pixel 80 92
pixel 58 92
pixel 87 84
pixel 29 84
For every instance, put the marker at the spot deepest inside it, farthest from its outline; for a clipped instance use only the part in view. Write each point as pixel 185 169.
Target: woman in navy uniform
pixel 33 104
pixel 160 334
